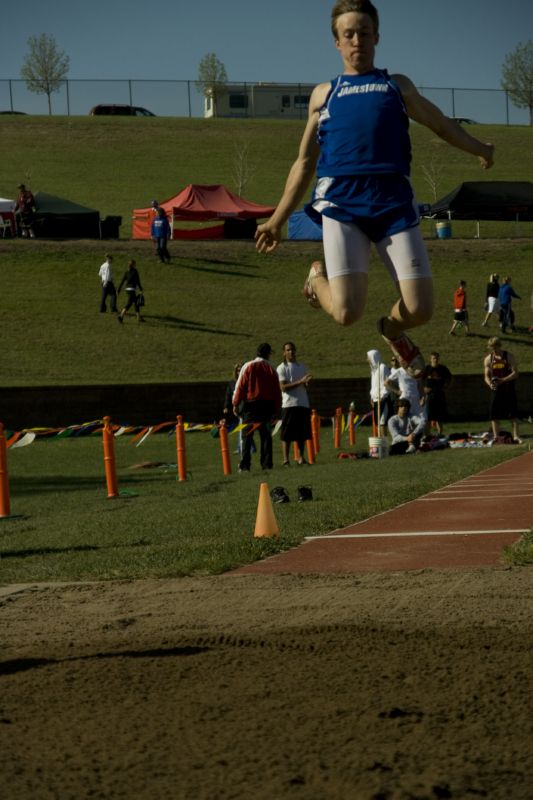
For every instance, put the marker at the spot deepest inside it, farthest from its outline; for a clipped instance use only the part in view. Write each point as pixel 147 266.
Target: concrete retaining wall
pixel 140 404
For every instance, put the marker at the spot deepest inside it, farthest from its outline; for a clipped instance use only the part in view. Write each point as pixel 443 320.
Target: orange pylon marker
pixel 338 425
pixel 180 450
pixel 266 525
pixel 5 507
pixel 109 459
pixel 315 430
pixel 224 447
pixel 310 451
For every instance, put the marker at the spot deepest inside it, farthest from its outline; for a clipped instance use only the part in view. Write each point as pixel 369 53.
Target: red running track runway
pixel 464 525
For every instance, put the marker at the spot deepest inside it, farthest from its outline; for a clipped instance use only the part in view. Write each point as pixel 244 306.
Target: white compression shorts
pixel 347 250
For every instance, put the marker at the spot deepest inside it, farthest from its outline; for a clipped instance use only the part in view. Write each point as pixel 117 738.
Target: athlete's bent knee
pixel 346 316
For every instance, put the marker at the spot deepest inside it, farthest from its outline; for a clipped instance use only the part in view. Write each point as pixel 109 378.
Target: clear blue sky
pixel 460 43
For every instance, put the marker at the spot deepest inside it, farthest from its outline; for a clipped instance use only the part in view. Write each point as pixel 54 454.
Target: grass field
pixel 215 302
pixel 207 309
pixel 69 530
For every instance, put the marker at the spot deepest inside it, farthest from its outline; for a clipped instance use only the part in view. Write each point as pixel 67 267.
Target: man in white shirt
pixel 108 287
pixel 404 386
pixel 296 413
pixel 406 429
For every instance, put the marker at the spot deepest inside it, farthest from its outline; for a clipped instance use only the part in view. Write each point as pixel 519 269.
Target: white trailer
pixel 270 100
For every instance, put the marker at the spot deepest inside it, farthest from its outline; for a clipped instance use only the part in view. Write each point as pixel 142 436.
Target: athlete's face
pixel 356 41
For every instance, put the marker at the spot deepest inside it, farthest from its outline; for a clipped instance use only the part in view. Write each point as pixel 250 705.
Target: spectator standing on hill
pixel 108 287
pixel 492 293
pixel 506 305
pixel 296 412
pixel 25 208
pixel 436 378
pixel 460 314
pixel 257 399
pixel 357 139
pixel 161 233
pixel 134 290
pixel 501 373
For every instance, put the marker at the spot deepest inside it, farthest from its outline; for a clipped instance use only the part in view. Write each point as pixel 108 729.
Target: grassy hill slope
pixel 117 164
pixel 216 301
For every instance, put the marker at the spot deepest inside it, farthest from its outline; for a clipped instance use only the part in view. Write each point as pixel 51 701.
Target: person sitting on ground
pixel 406 429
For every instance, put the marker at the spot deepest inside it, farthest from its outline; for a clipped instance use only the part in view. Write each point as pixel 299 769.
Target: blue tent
pixel 302 227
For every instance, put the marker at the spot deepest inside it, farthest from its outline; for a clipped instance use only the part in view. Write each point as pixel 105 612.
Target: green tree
pixel 517 77
pixel 45 67
pixel 212 79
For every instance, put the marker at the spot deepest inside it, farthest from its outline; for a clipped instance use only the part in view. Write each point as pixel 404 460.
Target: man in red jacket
pixel 257 400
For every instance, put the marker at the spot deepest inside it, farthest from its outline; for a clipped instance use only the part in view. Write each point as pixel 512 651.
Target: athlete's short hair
pixel 361 6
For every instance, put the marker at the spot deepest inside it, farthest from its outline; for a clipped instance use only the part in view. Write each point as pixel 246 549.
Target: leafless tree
pixel 45 67
pixel 243 169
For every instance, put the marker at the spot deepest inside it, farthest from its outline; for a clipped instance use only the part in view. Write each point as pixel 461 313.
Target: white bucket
pixel 377 447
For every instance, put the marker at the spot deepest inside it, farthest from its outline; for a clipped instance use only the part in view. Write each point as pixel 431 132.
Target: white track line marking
pixel 452 496
pixel 412 533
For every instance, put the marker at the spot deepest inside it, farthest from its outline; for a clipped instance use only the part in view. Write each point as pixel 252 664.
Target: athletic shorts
pixel 347 250
pixel 380 205
pixel 358 211
pixel 493 304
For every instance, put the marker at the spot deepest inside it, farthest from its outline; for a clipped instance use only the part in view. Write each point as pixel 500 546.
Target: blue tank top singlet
pixel 363 128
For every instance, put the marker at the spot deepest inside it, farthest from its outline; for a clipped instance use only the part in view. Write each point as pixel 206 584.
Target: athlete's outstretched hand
pixel 267 237
pixel 487 160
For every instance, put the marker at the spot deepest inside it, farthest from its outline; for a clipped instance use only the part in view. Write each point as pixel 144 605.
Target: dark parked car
pixel 13 112
pixel 466 121
pixel 120 110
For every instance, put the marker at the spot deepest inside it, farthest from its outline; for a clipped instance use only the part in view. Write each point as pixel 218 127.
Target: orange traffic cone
pixel 265 521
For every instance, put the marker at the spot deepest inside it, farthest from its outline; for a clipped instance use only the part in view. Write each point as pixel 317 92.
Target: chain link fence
pixel 185 98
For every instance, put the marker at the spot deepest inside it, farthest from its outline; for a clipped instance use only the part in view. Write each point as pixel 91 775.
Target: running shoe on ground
pixel 304 493
pixel 279 495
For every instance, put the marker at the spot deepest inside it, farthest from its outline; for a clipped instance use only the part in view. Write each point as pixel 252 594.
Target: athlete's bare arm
pixel 300 176
pixel 426 113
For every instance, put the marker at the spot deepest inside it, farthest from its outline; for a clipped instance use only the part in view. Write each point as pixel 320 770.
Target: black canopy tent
pixel 58 218
pixel 487 200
